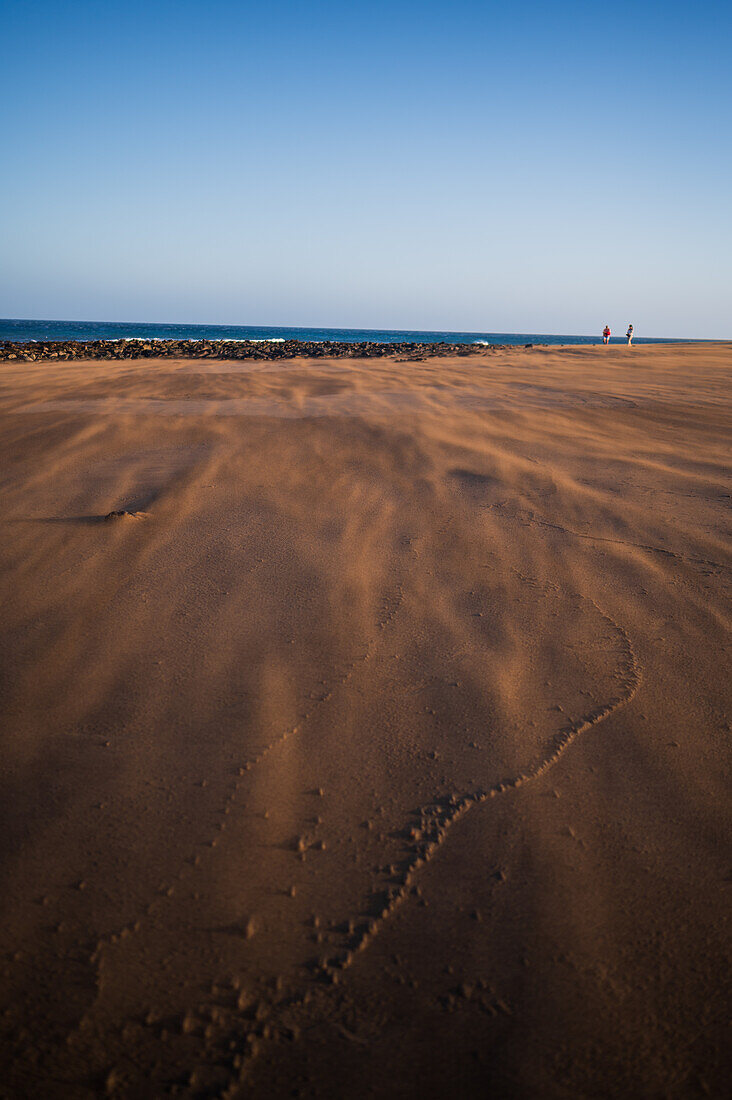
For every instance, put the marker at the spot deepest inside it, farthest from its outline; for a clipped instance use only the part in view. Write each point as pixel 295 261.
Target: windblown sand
pixel 380 744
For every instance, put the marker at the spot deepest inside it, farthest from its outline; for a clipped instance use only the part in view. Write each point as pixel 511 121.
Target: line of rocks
pixel 230 349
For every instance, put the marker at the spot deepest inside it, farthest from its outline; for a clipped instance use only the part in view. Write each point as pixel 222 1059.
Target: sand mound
pixel 124 515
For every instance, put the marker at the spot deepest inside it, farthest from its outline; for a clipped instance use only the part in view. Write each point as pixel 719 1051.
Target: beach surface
pixel 379 744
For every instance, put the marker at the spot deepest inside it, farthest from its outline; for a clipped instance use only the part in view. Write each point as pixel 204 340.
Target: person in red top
pixel 606 335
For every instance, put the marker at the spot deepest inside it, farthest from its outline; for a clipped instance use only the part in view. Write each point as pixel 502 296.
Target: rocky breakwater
pixel 228 349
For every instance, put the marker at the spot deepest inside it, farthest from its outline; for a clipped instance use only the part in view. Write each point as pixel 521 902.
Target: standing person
pixel 606 335
pixel 629 335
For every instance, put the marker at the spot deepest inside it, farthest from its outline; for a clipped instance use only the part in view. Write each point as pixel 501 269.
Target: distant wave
pixel 227 339
pixel 187 339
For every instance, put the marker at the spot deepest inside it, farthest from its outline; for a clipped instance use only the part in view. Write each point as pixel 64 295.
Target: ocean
pixel 24 330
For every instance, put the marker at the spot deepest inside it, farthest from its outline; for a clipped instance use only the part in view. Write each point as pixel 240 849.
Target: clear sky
pixel 525 167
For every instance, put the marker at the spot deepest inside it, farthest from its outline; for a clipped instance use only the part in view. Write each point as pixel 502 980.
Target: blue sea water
pixel 23 330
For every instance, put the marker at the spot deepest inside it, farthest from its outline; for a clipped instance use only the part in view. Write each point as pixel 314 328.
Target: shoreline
pixel 276 348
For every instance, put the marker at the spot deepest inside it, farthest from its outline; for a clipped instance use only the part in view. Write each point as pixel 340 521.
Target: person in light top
pixel 629 335
pixel 606 335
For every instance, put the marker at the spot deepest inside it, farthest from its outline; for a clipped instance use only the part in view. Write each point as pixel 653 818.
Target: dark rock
pixel 204 349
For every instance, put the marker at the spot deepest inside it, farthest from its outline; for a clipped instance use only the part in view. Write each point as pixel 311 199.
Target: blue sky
pixel 531 167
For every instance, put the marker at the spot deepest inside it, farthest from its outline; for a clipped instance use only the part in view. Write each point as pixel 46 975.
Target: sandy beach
pixel 379 746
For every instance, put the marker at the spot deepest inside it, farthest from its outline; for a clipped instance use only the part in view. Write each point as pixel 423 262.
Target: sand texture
pixel 366 726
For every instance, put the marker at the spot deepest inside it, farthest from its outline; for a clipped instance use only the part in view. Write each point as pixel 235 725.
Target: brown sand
pixel 381 745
